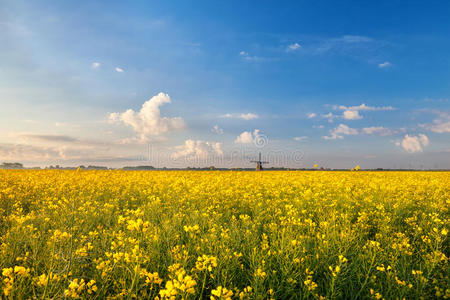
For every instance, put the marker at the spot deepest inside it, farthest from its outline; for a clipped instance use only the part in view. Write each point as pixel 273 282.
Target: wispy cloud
pixel 351 39
pixel 352 112
pixel 330 116
pixel 95 65
pixel 216 129
pixel 50 138
pixel 386 64
pixel 243 116
pixel 440 127
pixel 248 57
pixel 311 115
pixel 346 44
pixel 300 138
pixel 377 130
pixel 340 131
pixel 440 124
pixel 363 107
pixel 119 70
pixel 293 47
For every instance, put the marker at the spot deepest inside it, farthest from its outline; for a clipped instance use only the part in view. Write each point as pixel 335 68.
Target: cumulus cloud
pixel 200 149
pixel 247 116
pixel 119 70
pixel 386 64
pixel 351 115
pixel 340 131
pixel 245 138
pixel 311 115
pixel 95 65
pixel 413 144
pixel 148 121
pixel 378 130
pixel 248 137
pixel 294 46
pixel 217 129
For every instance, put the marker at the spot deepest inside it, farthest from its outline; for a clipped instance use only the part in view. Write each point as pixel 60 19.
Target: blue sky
pixel 337 84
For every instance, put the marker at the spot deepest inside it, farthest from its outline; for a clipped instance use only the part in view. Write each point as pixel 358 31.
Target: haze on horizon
pixel 179 84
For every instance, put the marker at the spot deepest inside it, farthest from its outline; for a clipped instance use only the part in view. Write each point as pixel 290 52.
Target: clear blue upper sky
pixel 334 83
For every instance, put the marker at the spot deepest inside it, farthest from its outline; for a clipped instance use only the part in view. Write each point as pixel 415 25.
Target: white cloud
pixel 148 121
pixel 248 137
pixel 340 131
pixel 363 107
pixel 217 129
pixel 312 115
pixel 95 65
pixel 300 138
pixel 330 117
pixel 380 130
pixel 294 46
pixel 386 64
pixel 346 45
pixel 440 127
pixel 352 112
pixel 351 115
pixel 200 149
pixel 119 70
pixel 424 140
pixel 247 116
pixel 412 144
pixel 246 56
pixel 244 138
pixel 354 39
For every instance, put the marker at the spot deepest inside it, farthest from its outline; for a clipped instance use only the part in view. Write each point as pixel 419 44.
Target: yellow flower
pixel 221 293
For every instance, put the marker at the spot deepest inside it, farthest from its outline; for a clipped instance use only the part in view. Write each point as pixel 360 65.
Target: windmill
pixel 259 163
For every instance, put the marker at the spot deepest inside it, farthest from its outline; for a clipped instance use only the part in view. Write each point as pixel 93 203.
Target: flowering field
pixel 224 235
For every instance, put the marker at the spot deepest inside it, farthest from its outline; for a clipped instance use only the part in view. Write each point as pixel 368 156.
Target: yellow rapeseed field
pixel 224 234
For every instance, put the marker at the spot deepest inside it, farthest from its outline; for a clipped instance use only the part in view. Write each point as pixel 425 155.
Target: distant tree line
pixel 17 165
